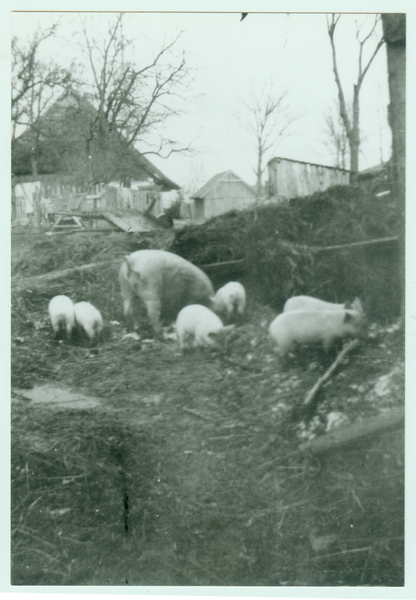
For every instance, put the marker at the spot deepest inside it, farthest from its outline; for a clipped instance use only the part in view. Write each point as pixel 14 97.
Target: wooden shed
pixel 222 193
pixel 293 178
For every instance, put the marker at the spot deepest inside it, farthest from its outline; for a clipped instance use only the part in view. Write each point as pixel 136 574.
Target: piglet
pixel 88 318
pixel 230 298
pixel 61 314
pixel 197 325
pixel 309 327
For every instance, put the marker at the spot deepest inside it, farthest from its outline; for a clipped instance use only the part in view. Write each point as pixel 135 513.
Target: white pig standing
pixel 230 298
pixel 165 282
pixel 309 327
pixel 197 325
pixel 310 303
pixel 89 318
pixel 61 314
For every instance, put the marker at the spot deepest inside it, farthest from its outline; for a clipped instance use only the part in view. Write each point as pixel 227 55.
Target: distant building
pixel 375 179
pixel 222 193
pixel 67 172
pixel 294 178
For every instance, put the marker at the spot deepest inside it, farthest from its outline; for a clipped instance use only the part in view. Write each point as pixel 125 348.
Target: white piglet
pixel 308 328
pixel 197 325
pixel 230 298
pixel 88 318
pixel 310 303
pixel 61 314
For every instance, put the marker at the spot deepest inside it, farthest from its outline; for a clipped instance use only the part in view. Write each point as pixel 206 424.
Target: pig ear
pixel 348 317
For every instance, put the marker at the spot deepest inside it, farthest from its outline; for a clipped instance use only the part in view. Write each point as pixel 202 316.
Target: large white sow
pixel 165 282
pixel 61 314
pixel 308 327
pixel 310 303
pixel 89 318
pixel 197 325
pixel 231 297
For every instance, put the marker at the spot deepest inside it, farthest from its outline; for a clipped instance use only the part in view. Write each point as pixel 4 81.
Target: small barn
pixel 222 193
pixel 293 178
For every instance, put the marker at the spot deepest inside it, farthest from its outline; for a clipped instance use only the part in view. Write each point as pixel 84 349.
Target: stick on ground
pixel 312 393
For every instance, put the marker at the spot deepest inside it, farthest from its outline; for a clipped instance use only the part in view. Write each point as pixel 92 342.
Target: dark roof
pixel 153 171
pixel 139 167
pixel 206 188
pixel 306 163
pixel 373 170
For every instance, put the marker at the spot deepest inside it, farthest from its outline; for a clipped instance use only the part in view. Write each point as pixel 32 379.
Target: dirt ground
pixel 136 464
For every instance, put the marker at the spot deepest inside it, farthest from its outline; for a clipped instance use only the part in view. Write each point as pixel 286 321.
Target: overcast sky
pixel 229 57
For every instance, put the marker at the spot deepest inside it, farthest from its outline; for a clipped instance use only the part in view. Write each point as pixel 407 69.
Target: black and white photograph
pixel 208 307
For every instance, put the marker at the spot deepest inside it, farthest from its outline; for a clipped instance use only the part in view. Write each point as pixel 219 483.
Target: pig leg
pixel 128 296
pixel 153 310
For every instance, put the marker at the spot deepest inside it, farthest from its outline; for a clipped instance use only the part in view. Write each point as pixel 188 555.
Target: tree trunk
pixel 394 28
pixel 259 172
pixel 354 139
pixel 35 177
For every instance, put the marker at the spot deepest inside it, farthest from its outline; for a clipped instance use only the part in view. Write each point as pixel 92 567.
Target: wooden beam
pixel 21 283
pixel 357 432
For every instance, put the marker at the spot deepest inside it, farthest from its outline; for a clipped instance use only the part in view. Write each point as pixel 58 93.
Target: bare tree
pixel 352 125
pixel 136 100
pixel 34 81
pixel 34 86
pixel 336 136
pixel 267 117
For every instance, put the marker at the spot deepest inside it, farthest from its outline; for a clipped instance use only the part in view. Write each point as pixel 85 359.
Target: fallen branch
pixel 21 283
pixel 366 428
pixel 312 393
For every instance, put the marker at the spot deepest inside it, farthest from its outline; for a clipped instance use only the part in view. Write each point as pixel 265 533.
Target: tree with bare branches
pixel 352 124
pixel 134 99
pixel 267 117
pixel 35 84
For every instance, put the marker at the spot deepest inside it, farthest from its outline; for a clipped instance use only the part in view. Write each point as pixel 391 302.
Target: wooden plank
pixel 357 432
pixel 130 223
pixel 364 243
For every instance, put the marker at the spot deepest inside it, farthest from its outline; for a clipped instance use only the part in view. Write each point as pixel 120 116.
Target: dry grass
pixel 189 474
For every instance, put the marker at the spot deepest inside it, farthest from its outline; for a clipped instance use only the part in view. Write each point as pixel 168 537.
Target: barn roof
pixel 208 186
pixel 141 167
